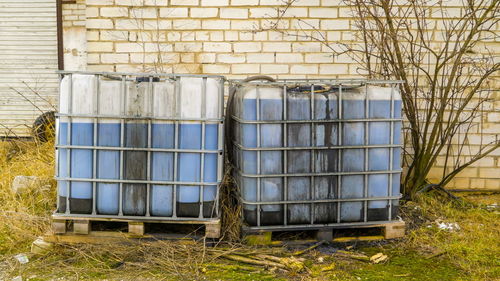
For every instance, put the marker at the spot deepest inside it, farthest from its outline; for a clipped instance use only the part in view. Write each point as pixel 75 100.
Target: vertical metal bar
pixel 94 152
pixel 313 162
pixel 365 181
pixel 58 150
pixel 285 153
pixel 340 127
pixel 68 142
pixel 391 151
pixel 203 128
pixel 148 153
pixel 177 90
pixel 220 142
pixel 123 96
pixel 257 102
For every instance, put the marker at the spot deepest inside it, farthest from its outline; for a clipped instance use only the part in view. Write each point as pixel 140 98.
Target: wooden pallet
pixel 342 234
pixel 80 229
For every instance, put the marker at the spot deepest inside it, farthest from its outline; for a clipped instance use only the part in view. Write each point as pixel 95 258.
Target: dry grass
pixel 25 216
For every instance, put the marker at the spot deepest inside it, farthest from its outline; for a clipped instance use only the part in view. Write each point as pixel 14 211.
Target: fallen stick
pixel 355 256
pixel 253 261
pixel 298 253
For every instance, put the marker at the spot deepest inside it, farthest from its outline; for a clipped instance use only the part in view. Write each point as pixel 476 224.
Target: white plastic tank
pixel 156 141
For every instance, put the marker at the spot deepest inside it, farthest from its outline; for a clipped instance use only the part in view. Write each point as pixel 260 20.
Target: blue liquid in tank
pixel 108 167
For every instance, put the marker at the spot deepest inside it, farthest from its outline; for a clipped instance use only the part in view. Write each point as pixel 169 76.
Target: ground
pixel 445 241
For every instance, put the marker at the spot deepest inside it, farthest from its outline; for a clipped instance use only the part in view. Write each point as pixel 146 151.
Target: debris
pixel 254 261
pixel 22 258
pixel 350 247
pixel 40 246
pixel 440 253
pixel 378 258
pixel 298 253
pixel 17 278
pixel 21 183
pixel 356 256
pixel 450 226
pixel 321 260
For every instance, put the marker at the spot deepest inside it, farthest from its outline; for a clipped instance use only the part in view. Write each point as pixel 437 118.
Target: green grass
pixel 426 253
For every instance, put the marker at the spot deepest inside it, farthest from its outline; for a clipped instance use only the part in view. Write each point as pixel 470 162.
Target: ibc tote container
pixel 134 146
pixel 312 154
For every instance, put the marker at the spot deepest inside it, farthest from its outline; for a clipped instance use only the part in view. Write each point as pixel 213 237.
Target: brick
pixel 492 184
pixel 173 12
pixel 484 162
pixel 100 67
pixel 233 13
pixel 319 58
pixel 296 12
pixel 305 24
pixel 231 35
pixel 90 12
pixel 307 47
pixel 323 12
pixel 100 2
pixel 277 47
pixel 93 35
pixel 205 58
pixel 335 24
pixel 114 58
pixel 240 47
pixel 130 48
pixel 494 117
pixel 216 47
pixel 157 24
pixel 184 2
pixel 231 58
pixel 312 3
pixel 260 58
pixel 260 36
pixel 173 36
pixel 333 3
pixel 244 2
pixel 188 36
pixel 274 68
pixel 216 35
pixel 143 13
pixel 273 2
pixel 289 58
pixel 99 47
pixel 304 69
pixel 263 13
pixel 204 12
pixel 246 36
pixel 114 12
pixel 129 24
pixel 93 58
pixel 245 68
pixel 216 3
pixel 216 68
pixel 188 47
pixel 216 24
pixel 344 58
pixel 202 36
pixel 244 24
pixel 100 23
pixel 489 173
pixel 112 35
pixel 186 24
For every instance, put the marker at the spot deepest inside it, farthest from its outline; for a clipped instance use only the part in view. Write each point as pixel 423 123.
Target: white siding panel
pixel 28 61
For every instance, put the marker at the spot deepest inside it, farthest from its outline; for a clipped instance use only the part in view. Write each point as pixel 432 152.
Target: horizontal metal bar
pixel 320 200
pixel 241 147
pixel 307 82
pixel 145 118
pixel 117 148
pixel 305 121
pixel 135 181
pixel 317 174
pixel 173 75
pixel 317 226
pixel 135 218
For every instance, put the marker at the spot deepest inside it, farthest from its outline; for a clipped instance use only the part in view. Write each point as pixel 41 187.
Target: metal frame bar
pixel 122 118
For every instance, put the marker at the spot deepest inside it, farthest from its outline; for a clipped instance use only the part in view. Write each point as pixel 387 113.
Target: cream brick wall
pixel 221 37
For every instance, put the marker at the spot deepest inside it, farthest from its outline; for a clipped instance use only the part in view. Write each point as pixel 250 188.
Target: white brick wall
pixel 223 37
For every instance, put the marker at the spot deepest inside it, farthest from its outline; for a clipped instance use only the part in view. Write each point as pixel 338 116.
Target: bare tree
pixel 448 74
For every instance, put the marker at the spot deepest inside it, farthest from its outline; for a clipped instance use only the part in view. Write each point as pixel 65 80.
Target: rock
pixel 22 258
pixel 40 246
pixel 21 183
